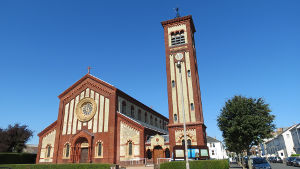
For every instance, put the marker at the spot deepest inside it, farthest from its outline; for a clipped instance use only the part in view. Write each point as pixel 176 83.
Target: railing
pixel 163 160
pixel 136 161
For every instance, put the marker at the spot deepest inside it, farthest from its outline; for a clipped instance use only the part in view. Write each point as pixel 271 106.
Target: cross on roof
pixel 89 69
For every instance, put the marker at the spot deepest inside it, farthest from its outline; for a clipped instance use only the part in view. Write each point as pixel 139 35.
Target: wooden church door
pixel 84 155
pixel 158 152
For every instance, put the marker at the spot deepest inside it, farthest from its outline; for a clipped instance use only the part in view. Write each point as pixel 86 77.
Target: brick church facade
pixel 98 123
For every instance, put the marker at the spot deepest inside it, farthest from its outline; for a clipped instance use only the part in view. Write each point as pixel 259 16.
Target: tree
pixel 13 138
pixel 245 122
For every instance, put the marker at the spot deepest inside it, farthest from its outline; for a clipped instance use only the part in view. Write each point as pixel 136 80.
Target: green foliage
pixel 13 138
pixel 295 155
pixel 57 166
pixel 245 122
pixel 17 158
pixel 201 164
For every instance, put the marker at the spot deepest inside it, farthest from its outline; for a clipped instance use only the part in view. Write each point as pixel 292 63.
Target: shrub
pixel 57 166
pixel 201 164
pixel 295 155
pixel 17 158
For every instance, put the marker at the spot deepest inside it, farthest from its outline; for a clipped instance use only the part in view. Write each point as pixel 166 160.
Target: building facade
pixel 98 123
pixel 216 149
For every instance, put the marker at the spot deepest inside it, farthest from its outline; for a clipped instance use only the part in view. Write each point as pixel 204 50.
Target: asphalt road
pixel 282 166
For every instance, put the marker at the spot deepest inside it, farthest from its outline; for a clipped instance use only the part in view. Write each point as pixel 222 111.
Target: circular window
pixel 86 109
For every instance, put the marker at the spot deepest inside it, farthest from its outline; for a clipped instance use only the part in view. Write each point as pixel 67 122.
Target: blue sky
pixel 249 48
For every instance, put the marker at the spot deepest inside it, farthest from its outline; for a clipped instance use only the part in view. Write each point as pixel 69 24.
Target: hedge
pixel 57 166
pixel 295 155
pixel 201 164
pixel 17 158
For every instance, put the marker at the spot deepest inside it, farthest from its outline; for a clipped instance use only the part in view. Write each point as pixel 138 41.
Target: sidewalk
pixel 235 166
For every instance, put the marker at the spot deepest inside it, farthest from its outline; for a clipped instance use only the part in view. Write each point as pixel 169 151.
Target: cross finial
pixel 89 69
pixel 177 13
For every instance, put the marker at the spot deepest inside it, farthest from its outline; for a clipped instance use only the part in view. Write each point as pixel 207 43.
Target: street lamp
pixel 184 125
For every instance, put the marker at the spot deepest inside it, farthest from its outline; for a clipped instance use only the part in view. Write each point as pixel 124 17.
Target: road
pixel 282 166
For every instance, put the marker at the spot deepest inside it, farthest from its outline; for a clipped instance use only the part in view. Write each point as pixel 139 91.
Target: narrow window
pixel 151 120
pixel 139 114
pixel 182 142
pixel 99 149
pixel 175 117
pixel 67 150
pixel 132 111
pixel 192 107
pixel 167 153
pixel 173 83
pixel 189 142
pixel 189 73
pixel 212 152
pixel 130 148
pixel 161 125
pixel 48 151
pixel 146 121
pixel 213 144
pixel 155 122
pixel 124 107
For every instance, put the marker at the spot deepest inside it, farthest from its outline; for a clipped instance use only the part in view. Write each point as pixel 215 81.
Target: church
pixel 99 123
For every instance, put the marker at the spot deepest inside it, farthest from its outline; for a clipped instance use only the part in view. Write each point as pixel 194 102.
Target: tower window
pixel 173 83
pixel 124 107
pixel 177 38
pixel 48 151
pixel 189 73
pixel 175 117
pixel 130 148
pixel 192 106
pixel 132 111
pixel 139 114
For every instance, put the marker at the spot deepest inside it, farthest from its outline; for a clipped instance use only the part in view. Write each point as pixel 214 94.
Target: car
pixel 296 162
pixel 271 159
pixel 259 162
pixel 289 161
pixel 278 160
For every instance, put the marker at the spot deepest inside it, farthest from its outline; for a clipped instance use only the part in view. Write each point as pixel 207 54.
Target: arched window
pixel 48 151
pixel 99 149
pixel 124 107
pixel 182 142
pixel 132 111
pixel 189 73
pixel 175 117
pixel 173 83
pixel 167 153
pixel 67 150
pixel 189 142
pixel 192 107
pixel 177 38
pixel 139 114
pixel 149 154
pixel 130 148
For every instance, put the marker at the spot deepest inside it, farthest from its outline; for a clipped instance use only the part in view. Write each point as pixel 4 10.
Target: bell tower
pixel 184 95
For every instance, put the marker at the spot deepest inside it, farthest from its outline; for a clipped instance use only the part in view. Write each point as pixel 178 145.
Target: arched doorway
pixel 158 152
pixel 82 150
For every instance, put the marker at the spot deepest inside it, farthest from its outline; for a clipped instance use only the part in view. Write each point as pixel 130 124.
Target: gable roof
pixel 211 140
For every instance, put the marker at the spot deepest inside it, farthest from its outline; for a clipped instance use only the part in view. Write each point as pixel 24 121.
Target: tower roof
pixel 176 20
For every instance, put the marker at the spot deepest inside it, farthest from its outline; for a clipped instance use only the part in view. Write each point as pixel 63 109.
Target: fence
pixel 136 161
pixel 163 160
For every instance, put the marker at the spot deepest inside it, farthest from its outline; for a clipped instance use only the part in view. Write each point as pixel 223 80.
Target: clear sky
pixel 244 47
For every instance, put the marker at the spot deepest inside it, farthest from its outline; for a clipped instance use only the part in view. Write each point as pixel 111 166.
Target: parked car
pixel 296 162
pixel 278 160
pixel 271 159
pixel 289 161
pixel 259 162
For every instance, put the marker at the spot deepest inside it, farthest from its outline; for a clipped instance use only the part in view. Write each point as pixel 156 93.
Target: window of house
pixel 175 117
pixel 189 73
pixel 192 107
pixel 161 125
pixel 212 152
pixel 132 111
pixel 123 107
pixel 67 150
pixel 130 148
pixel 177 38
pixel 139 114
pixel 173 83
pixel 182 142
pixel 99 149
pixel 48 151
pixel 213 144
pixel 155 123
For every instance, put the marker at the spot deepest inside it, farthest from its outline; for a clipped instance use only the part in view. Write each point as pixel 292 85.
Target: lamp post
pixel 184 125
